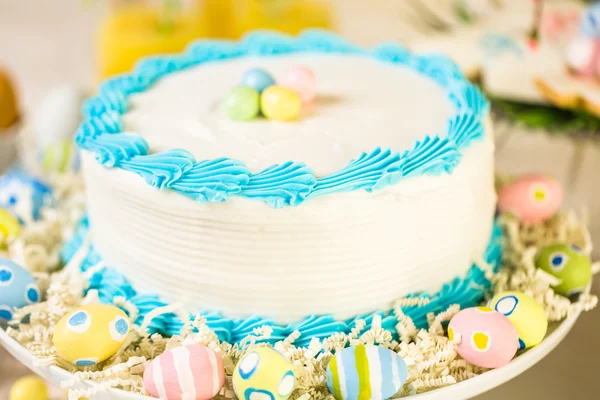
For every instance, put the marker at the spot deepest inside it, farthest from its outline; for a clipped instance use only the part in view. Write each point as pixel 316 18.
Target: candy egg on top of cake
pixel 260 94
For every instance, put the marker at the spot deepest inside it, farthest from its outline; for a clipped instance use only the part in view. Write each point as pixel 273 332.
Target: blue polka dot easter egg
pixel 263 374
pixel 91 334
pixel 365 372
pixel 17 288
pixel 23 195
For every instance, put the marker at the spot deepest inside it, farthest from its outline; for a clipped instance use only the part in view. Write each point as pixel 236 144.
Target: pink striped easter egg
pixel 191 372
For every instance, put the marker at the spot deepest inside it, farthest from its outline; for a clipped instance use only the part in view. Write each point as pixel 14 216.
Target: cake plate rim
pixel 462 390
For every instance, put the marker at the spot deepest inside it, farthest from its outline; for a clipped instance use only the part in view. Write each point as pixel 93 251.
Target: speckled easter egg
pixel 365 372
pixel 532 198
pixel 29 388
pixel 23 194
pixel 258 78
pixel 191 372
pixel 9 226
pixel 242 103
pixel 280 104
pixel 17 288
pixel 303 81
pixel 483 337
pixel 569 264
pixel 90 334
pixel 526 314
pixel 263 373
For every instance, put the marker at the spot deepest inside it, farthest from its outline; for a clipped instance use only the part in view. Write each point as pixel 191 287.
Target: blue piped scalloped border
pixel 466 292
pixel 289 183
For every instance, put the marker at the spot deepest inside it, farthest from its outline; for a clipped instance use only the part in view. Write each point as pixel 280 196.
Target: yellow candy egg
pixel 525 313
pixel 29 388
pixel 9 226
pixel 280 104
pixel 90 334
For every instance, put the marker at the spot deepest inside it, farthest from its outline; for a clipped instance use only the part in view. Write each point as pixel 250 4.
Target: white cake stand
pixel 464 390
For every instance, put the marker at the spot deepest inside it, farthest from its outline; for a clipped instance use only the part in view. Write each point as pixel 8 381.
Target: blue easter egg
pixel 18 188
pixel 17 288
pixel 258 79
pixel 365 372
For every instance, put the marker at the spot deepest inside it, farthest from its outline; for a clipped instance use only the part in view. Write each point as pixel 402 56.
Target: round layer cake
pixel 382 188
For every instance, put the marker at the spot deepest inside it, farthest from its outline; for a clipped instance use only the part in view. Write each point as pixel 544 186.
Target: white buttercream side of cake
pixel 344 254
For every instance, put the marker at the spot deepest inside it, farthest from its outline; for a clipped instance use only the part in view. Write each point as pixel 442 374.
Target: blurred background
pixel 537 60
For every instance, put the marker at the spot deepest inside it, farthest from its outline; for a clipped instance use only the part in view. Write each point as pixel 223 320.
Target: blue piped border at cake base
pixel 466 292
pixel 291 182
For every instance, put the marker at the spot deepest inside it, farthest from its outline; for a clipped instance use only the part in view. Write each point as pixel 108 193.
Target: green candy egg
pixel 242 103
pixel 569 264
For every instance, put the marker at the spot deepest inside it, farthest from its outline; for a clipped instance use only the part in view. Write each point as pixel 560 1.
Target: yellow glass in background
pixel 133 32
pixel 136 30
pixel 289 16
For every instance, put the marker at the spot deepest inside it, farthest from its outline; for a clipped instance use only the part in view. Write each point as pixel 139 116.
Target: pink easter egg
pixel 187 372
pixel 303 81
pixel 582 56
pixel 532 198
pixel 484 337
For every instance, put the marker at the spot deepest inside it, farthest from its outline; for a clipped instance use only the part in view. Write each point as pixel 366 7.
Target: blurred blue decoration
pixel 590 21
pixel 24 195
pixel 495 44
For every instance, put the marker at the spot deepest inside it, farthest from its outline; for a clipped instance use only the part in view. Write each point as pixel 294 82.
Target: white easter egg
pixel 59 114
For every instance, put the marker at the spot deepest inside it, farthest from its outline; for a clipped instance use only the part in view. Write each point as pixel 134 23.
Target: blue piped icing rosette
pixel 290 183
pixel 467 291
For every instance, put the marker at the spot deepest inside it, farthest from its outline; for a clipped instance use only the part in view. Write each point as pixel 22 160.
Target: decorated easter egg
pixel 59 115
pixel 90 334
pixel 258 79
pixel 23 195
pixel 569 264
pixel 28 388
pixel 280 104
pixel 483 337
pixel 365 372
pixel 532 198
pixel 191 372
pixel 60 157
pixel 9 226
pixel 303 81
pixel 263 373
pixel 242 103
pixel 17 288
pixel 526 314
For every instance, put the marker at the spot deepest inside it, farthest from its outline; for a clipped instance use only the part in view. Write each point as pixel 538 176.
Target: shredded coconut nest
pixel 431 359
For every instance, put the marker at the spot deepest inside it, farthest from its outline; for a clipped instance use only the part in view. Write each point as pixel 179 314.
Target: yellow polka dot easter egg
pixel 90 334
pixel 525 313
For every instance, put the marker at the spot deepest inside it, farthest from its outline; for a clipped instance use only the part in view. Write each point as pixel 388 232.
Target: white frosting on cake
pixel 344 253
pixel 362 103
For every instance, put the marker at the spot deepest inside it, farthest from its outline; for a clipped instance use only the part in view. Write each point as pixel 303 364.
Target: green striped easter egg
pixel 365 373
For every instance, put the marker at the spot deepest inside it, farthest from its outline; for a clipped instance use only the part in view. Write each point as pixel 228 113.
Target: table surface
pixel 46 43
